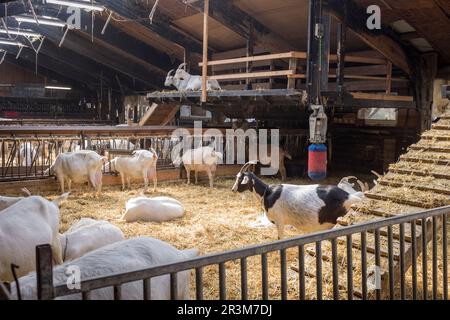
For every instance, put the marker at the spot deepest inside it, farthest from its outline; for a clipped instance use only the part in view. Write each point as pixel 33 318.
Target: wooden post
pixel 44 272
pixel 389 78
pixel 205 52
pixel 250 53
pixel 293 65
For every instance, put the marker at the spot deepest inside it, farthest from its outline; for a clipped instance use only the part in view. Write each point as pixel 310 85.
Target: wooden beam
pixel 381 97
pixel 171 115
pixel 389 78
pixel 148 114
pixel 205 52
pixel 254 75
pixel 346 11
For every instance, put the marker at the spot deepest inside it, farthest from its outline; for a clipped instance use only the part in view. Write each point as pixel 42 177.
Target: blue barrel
pixel 317 161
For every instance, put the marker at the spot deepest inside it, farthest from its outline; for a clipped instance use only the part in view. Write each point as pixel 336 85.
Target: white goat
pixel 79 167
pixel 142 164
pixel 184 81
pixel 156 209
pixel 203 159
pixel 23 226
pixel 87 235
pixel 121 257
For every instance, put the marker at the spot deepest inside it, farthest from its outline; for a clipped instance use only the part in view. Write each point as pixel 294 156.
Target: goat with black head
pixel 309 208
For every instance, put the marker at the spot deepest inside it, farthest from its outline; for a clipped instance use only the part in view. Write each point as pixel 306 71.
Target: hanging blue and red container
pixel 317 161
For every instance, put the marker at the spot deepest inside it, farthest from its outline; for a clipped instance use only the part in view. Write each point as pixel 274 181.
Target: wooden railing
pixel 292 72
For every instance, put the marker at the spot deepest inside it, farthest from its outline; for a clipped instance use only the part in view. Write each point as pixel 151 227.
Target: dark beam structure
pixel 161 23
pixel 347 12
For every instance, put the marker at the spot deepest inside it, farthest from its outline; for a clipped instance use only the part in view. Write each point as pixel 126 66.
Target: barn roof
pixel 133 53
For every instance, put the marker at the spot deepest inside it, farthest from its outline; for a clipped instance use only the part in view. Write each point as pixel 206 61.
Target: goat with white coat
pixel 88 235
pixel 79 167
pixel 142 164
pixel 203 159
pixel 309 207
pixel 184 81
pixel 121 257
pixel 157 209
pixel 23 226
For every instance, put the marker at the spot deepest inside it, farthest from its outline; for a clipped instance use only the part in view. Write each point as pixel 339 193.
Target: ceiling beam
pixel 355 18
pixel 161 25
pixel 244 25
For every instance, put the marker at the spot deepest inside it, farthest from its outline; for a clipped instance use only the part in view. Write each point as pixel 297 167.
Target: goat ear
pixel 245 180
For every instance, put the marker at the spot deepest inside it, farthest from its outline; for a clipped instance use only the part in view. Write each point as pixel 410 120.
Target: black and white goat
pixel 307 207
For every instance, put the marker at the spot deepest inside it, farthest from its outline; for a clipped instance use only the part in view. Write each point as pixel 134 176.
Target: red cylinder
pixel 317 161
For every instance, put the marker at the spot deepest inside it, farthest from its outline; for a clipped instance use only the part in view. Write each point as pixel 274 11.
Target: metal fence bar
pixel 222 281
pixel 199 283
pixel 244 280
pixel 264 276
pixel 413 225
pixel 435 258
pixel 319 270
pixel 118 292
pixel 349 267
pixel 283 273
pixel 391 263
pixel 334 257
pixel 424 260
pixel 173 286
pixel 301 272
pixel 44 272
pixel 402 262
pixel 364 265
pixel 377 260
pixel 86 295
pixel 444 257
pixel 147 286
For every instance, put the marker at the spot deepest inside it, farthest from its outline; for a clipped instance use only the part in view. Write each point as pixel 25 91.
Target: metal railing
pixel 393 281
pixel 27 153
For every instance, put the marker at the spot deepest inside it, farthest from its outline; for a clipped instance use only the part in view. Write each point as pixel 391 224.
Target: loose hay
pixel 216 220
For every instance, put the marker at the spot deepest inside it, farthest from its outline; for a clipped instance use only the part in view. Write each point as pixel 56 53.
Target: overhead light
pixel 58 88
pixel 11 43
pixel 78 4
pixel 44 20
pixel 18 32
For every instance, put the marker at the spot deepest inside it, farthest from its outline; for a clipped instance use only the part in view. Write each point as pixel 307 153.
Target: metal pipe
pixel 301 272
pixel 147 289
pixel 319 270
pixel 364 265
pixel 414 259
pixel 334 257
pixel 424 260
pixel 222 282
pixel 391 263
pixel 377 260
pixel 444 257
pixel 435 258
pixel 173 286
pixel 264 276
pixel 349 267
pixel 244 288
pixel 199 283
pixel 402 262
pixel 283 274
